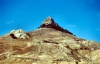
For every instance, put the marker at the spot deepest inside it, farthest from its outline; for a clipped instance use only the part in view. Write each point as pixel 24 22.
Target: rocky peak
pixel 48 20
pixel 50 23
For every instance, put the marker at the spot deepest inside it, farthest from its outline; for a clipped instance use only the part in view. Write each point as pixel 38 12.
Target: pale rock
pixel 34 63
pixel 19 34
pixel 86 43
pixel 29 44
pixel 95 54
pixel 73 44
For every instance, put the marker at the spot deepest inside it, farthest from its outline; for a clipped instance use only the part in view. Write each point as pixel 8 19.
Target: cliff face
pixel 49 44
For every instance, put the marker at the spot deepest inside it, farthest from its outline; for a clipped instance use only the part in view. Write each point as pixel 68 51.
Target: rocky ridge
pixel 49 44
pixel 49 23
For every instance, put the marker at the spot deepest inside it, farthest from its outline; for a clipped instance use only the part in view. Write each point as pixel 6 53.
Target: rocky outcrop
pixel 50 23
pixel 18 34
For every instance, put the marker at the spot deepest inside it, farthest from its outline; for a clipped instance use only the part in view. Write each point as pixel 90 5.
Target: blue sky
pixel 81 17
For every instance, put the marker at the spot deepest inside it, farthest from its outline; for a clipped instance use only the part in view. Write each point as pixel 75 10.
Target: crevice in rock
pixel 12 35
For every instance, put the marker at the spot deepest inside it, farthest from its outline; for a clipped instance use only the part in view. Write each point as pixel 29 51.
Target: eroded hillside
pixel 49 44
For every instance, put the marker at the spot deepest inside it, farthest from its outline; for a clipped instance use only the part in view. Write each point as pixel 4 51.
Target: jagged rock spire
pixel 50 23
pixel 48 20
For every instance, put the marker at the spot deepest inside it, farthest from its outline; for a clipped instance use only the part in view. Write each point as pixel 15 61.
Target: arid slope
pixel 49 44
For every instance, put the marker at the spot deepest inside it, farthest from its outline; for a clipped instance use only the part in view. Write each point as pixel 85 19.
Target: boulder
pixel 19 34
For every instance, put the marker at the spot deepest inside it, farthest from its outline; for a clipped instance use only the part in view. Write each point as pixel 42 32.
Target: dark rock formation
pixel 50 23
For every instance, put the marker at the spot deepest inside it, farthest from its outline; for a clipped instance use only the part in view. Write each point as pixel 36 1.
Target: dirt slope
pixel 48 45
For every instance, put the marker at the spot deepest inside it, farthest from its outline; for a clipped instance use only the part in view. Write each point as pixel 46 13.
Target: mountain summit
pixel 50 23
pixel 49 44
